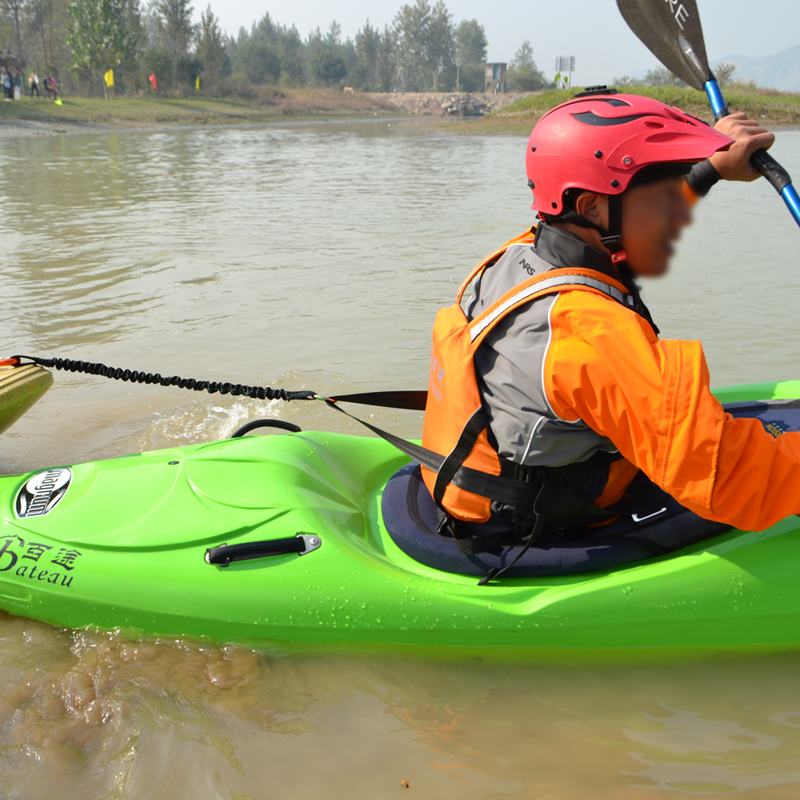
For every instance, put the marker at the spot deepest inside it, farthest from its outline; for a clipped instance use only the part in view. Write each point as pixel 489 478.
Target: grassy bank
pixel 148 112
pixel 771 109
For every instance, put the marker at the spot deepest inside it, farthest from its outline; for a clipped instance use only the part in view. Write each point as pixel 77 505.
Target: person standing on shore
pixel 7 85
pixel 17 84
pixel 33 82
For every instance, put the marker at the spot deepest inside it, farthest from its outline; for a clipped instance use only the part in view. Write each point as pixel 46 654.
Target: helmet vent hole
pixel 555 205
pixel 615 183
pixel 598 153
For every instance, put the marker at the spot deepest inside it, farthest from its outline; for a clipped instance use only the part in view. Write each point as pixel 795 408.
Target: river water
pixel 315 256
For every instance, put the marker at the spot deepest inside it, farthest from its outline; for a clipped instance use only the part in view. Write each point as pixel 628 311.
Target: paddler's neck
pixel 588 236
pixel 565 245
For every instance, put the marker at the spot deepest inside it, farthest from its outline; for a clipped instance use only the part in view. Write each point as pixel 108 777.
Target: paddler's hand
pixel 734 163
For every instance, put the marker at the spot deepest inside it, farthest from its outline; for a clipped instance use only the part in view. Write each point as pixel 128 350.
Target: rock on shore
pixel 448 104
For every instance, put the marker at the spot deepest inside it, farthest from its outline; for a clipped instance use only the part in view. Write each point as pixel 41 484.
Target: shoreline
pixel 509 115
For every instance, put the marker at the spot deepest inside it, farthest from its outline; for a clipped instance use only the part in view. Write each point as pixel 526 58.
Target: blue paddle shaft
pixel 718 105
pixel 761 159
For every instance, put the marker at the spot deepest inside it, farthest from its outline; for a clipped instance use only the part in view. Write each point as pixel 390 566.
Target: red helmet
pixel 599 141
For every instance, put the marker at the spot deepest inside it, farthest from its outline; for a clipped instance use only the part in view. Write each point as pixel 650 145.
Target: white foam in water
pixel 200 422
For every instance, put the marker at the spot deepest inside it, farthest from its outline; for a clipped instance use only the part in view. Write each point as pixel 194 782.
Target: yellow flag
pixel 109 77
pixel 197 83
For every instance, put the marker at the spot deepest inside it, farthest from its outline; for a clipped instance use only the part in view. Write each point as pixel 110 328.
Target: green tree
pixel 523 75
pixel 333 38
pixel 661 76
pixel 327 57
pixel 46 46
pixel 470 47
pixel 130 61
pixel 368 47
pixel 99 35
pixel 411 30
pixel 265 31
pixel 387 63
pixel 328 66
pixel 260 62
pixel 424 41
pixel 210 46
pixel 176 28
pixel 293 63
pixel 472 77
pixel 15 10
pixel 439 45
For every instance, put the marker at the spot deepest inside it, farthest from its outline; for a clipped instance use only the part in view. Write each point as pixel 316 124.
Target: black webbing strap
pixel 486 542
pixel 613 239
pixel 536 531
pixel 425 457
pixel 411 400
pixel 504 490
pixel 454 461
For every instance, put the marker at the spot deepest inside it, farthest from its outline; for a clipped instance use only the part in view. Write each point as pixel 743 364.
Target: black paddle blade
pixel 671 30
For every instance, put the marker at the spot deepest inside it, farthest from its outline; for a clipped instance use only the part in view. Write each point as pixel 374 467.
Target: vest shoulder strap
pixel 549 282
pixel 523 238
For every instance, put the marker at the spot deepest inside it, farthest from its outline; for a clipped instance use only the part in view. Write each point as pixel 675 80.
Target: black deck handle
pixel 225 554
pixel 266 423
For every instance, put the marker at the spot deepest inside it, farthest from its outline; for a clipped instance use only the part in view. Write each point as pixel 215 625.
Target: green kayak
pixel 281 539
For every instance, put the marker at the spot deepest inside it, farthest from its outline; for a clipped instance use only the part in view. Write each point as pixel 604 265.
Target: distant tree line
pixel 78 41
pixel 661 76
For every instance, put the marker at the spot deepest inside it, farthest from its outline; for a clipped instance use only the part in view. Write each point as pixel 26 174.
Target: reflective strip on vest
pixel 541 286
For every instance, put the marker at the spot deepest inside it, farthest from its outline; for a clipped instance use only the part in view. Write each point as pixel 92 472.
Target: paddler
pixel 551 394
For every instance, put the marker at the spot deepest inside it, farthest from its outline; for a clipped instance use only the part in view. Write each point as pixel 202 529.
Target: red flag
pixel 152 80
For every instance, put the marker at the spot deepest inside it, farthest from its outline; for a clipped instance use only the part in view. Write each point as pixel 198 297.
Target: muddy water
pixel 315 256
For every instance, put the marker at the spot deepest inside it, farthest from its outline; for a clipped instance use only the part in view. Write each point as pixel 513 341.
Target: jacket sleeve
pixel 651 397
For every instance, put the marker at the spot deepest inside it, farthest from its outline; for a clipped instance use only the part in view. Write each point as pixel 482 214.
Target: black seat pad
pixel 661 525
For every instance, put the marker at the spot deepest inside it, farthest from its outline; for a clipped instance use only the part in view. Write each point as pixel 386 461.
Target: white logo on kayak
pixel 43 492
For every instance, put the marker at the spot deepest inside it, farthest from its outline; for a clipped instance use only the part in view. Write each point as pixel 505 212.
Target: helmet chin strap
pixel 610 238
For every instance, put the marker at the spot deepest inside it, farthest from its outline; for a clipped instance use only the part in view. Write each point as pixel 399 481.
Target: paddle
pixel 671 30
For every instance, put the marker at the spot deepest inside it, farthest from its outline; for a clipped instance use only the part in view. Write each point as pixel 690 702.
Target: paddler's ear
pixel 593 207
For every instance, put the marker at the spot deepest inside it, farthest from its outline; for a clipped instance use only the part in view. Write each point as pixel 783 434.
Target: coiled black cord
pixel 134 376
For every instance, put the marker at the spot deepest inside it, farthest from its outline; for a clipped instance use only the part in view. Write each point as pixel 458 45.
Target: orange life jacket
pixel 455 424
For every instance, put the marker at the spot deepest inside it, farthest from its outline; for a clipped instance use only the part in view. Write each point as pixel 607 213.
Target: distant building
pixel 496 77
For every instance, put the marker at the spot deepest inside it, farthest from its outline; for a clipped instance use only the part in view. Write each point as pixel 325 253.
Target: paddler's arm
pixel 652 398
pixel 732 164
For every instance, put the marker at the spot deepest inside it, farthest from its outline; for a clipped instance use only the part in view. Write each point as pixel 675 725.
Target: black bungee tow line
pixel 410 400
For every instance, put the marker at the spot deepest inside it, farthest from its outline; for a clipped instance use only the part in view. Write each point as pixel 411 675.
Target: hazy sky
pixel 591 30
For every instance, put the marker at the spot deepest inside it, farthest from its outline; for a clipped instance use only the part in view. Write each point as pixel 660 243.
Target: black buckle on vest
pixel 518 472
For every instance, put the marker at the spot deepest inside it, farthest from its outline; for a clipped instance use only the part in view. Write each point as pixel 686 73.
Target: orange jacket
pixel 651 397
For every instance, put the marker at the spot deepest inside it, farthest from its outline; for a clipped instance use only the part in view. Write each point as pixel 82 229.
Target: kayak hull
pixel 20 387
pixel 125 545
